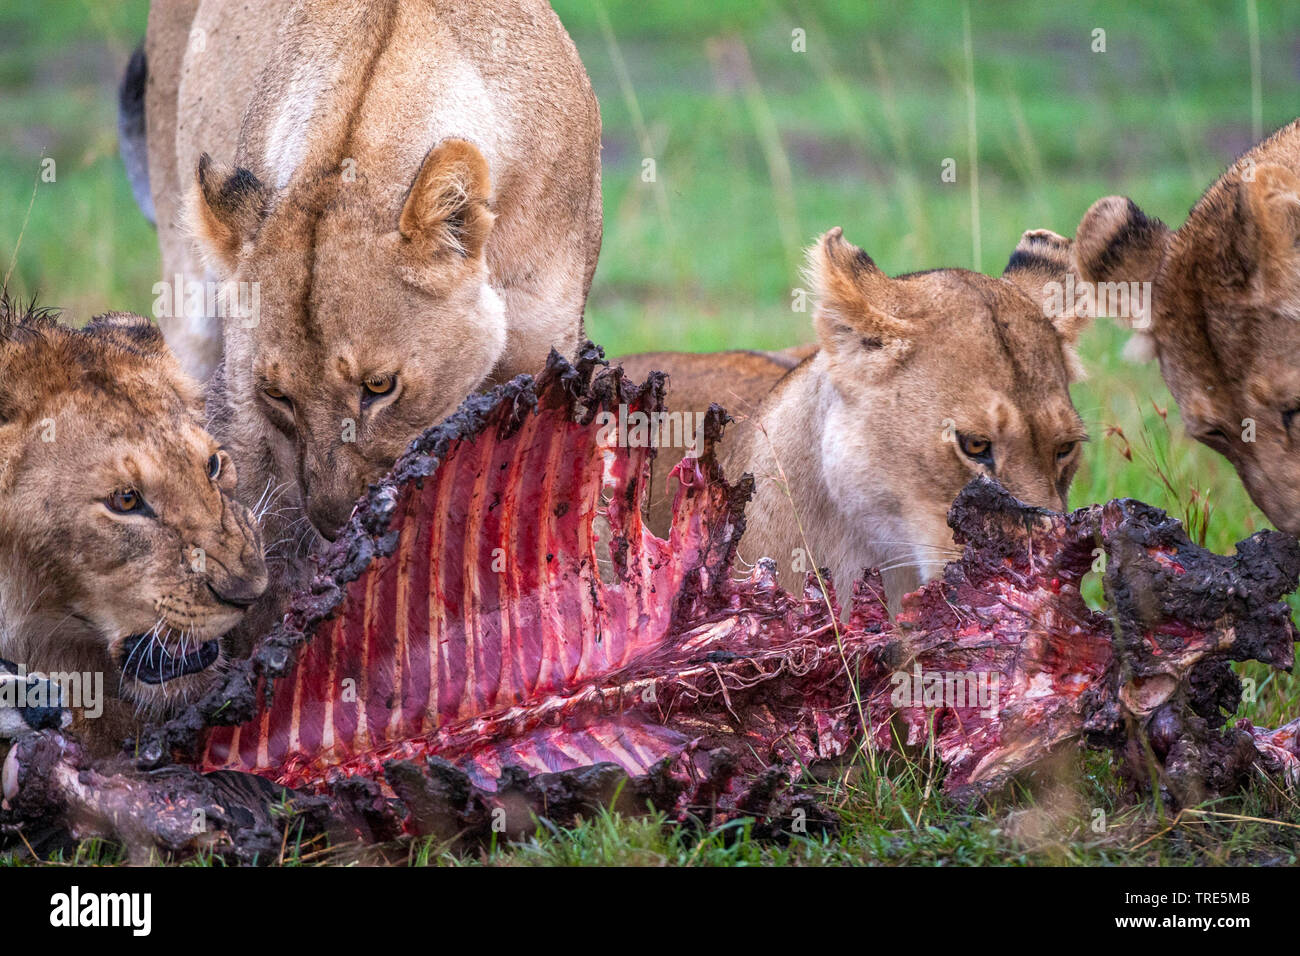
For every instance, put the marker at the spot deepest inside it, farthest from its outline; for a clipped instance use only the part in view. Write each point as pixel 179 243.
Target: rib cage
pixel 422 645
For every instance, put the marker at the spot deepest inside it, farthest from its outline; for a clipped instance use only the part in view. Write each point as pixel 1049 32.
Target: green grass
pixel 753 163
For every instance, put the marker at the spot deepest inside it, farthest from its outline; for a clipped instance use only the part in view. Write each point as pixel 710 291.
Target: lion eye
pixel 379 385
pixel 214 467
pixel 270 391
pixel 376 387
pixel 1065 449
pixel 976 449
pixel 126 501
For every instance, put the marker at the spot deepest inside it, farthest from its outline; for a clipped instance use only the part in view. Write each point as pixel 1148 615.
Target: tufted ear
pixel 1273 201
pixel 226 208
pixel 855 300
pixel 134 332
pixel 448 206
pixel 1117 242
pixel 140 336
pixel 127 326
pixel 1040 266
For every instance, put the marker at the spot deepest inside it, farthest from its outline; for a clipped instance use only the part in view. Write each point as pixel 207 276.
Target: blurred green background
pixel 758 148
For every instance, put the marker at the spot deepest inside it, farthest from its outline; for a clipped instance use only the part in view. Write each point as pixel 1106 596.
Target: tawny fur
pixel 315 88
pixel 414 185
pixel 85 413
pixel 1225 318
pixel 856 450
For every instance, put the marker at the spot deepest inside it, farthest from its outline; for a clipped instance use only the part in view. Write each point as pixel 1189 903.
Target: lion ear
pixel 1117 242
pixel 1039 266
pixel 140 336
pixel 855 299
pixel 1273 198
pixel 226 208
pixel 136 332
pixel 448 208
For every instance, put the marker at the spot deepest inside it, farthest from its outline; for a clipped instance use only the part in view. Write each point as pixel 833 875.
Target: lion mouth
pixel 146 659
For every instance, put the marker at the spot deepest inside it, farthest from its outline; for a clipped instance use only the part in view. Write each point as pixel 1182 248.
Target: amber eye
pixel 214 467
pixel 1063 452
pixel 127 501
pixel 977 449
pixel 270 391
pixel 377 386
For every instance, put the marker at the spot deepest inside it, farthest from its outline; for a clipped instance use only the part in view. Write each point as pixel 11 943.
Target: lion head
pixel 122 550
pixel 1224 311
pixel 372 322
pixel 934 378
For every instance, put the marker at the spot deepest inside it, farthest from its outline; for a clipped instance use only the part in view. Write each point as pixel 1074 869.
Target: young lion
pixel 921 382
pixel 124 558
pixel 1224 311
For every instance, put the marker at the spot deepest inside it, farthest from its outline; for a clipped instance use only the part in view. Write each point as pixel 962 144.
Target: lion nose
pixel 329 516
pixel 240 594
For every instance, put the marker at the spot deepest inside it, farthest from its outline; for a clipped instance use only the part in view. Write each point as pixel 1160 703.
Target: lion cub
pixel 124 557
pixel 921 382
pixel 1223 292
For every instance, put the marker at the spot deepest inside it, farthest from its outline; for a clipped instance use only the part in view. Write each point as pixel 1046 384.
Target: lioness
pixel 124 557
pixel 921 382
pixel 1224 311
pixel 408 192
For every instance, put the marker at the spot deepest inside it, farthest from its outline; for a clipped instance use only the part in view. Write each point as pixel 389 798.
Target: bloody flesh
pixel 467 616
pixel 496 628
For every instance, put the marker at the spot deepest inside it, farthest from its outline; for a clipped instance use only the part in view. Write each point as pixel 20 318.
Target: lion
pixel 1222 311
pixel 398 202
pixel 412 189
pixel 918 384
pixel 124 556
